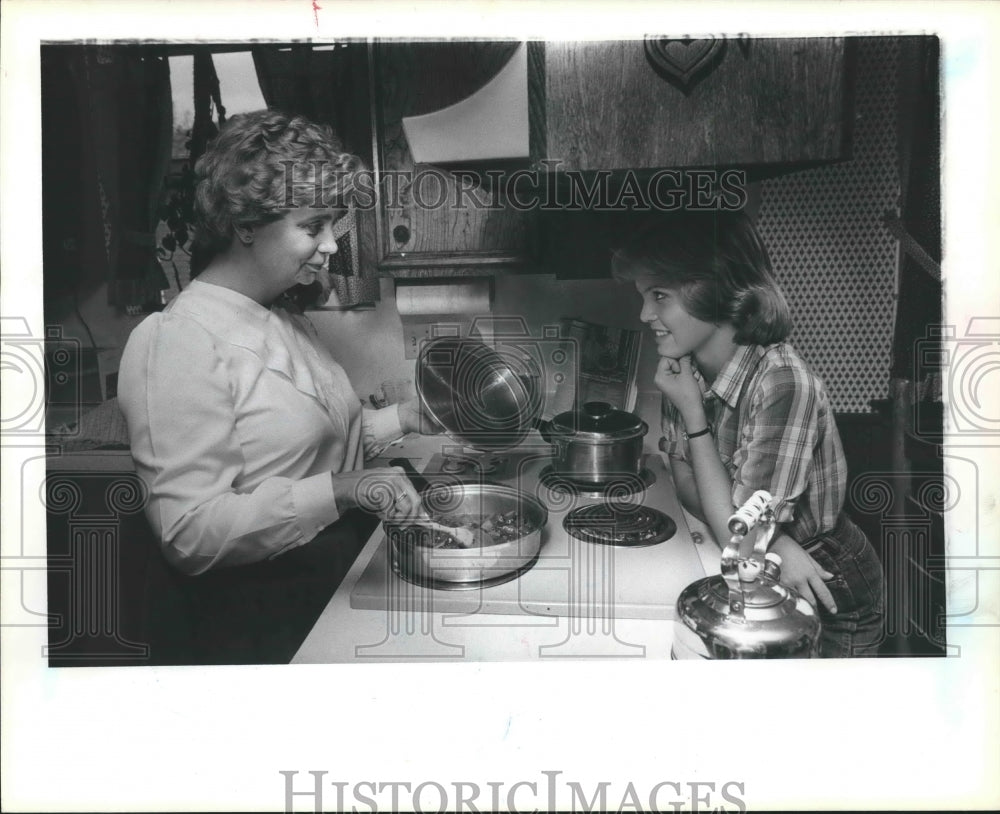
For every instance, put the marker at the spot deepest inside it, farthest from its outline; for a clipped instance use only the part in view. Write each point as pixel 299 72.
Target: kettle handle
pixel 757 513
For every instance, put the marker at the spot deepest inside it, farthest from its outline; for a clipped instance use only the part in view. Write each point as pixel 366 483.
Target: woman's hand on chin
pixel 412 418
pixel 675 379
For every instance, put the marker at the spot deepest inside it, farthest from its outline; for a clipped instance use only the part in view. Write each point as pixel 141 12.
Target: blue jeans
pixel 858 588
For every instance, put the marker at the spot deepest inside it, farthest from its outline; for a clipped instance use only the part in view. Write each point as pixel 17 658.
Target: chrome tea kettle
pixel 746 612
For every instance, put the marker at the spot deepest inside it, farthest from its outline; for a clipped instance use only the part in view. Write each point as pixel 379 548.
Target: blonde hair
pixel 257 168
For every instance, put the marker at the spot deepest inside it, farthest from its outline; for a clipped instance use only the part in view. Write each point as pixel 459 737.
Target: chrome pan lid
pixel 486 398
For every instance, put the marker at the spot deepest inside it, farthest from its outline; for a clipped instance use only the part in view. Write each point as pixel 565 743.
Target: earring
pixel 245 236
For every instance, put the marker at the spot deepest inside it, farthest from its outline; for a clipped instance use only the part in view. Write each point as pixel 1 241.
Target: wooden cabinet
pixel 420 231
pixel 637 104
pixel 764 105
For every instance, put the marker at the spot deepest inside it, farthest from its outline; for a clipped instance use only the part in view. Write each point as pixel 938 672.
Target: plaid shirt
pixel 782 438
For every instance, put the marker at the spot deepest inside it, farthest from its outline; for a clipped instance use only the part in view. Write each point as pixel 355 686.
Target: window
pixel 238 88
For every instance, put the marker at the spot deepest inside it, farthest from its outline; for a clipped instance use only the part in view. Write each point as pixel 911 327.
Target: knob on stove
pixel 491 463
pixel 453 464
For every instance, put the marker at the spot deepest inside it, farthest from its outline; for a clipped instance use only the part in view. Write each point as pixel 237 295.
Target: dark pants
pixel 858 588
pixel 253 614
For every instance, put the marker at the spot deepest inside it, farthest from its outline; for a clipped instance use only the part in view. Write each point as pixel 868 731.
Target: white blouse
pixel 237 415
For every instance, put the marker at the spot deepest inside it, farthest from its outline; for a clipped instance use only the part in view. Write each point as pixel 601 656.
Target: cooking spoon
pixel 466 537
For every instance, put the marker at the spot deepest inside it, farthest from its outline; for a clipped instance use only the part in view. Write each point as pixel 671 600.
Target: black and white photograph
pixel 479 415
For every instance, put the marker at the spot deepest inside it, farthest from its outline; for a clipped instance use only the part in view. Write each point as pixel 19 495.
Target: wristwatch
pixel 689 435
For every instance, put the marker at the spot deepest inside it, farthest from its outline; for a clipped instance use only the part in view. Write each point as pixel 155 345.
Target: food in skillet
pixel 494 529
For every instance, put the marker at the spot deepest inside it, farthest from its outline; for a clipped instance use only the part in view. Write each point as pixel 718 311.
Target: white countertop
pixel 418 633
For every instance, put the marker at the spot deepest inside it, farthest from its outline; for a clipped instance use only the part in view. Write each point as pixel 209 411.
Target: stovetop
pixel 572 577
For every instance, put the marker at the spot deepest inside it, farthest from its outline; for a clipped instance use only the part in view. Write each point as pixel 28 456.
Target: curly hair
pixel 257 168
pixel 719 266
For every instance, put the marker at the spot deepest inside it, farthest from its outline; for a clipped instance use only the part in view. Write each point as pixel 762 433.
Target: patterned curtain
pixel 206 94
pixel 105 159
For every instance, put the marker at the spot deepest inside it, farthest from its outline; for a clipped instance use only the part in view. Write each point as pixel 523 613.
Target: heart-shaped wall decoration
pixel 684 62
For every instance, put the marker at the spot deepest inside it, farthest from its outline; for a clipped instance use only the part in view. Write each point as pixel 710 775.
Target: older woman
pixel 244 428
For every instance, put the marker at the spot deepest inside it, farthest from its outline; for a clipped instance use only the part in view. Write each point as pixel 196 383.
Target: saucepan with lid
pixel 596 443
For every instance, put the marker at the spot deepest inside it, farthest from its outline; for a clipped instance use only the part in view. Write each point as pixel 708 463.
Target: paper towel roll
pixel 458 297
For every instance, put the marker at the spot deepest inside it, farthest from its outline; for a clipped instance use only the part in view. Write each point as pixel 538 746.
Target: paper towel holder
pixel 438 292
pixel 434 307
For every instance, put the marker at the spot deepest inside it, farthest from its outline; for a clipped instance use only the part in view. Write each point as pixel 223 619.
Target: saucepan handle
pixel 420 483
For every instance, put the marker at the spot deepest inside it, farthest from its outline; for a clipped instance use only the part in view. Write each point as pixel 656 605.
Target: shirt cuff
pixel 314 504
pixel 384 425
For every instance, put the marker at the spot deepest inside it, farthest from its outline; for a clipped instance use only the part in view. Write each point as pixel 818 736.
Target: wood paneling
pixel 602 105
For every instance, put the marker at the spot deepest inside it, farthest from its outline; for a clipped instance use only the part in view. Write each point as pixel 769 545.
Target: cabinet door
pixel 619 105
pixel 420 230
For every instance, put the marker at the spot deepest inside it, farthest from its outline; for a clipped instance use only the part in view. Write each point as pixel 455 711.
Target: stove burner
pixel 485 464
pixel 448 585
pixel 619 524
pixel 619 487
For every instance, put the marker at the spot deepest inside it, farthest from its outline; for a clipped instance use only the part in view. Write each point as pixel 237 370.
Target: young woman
pixel 245 430
pixel 742 411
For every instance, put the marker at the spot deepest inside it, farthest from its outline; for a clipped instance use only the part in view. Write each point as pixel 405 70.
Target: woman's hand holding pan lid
pixel 413 418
